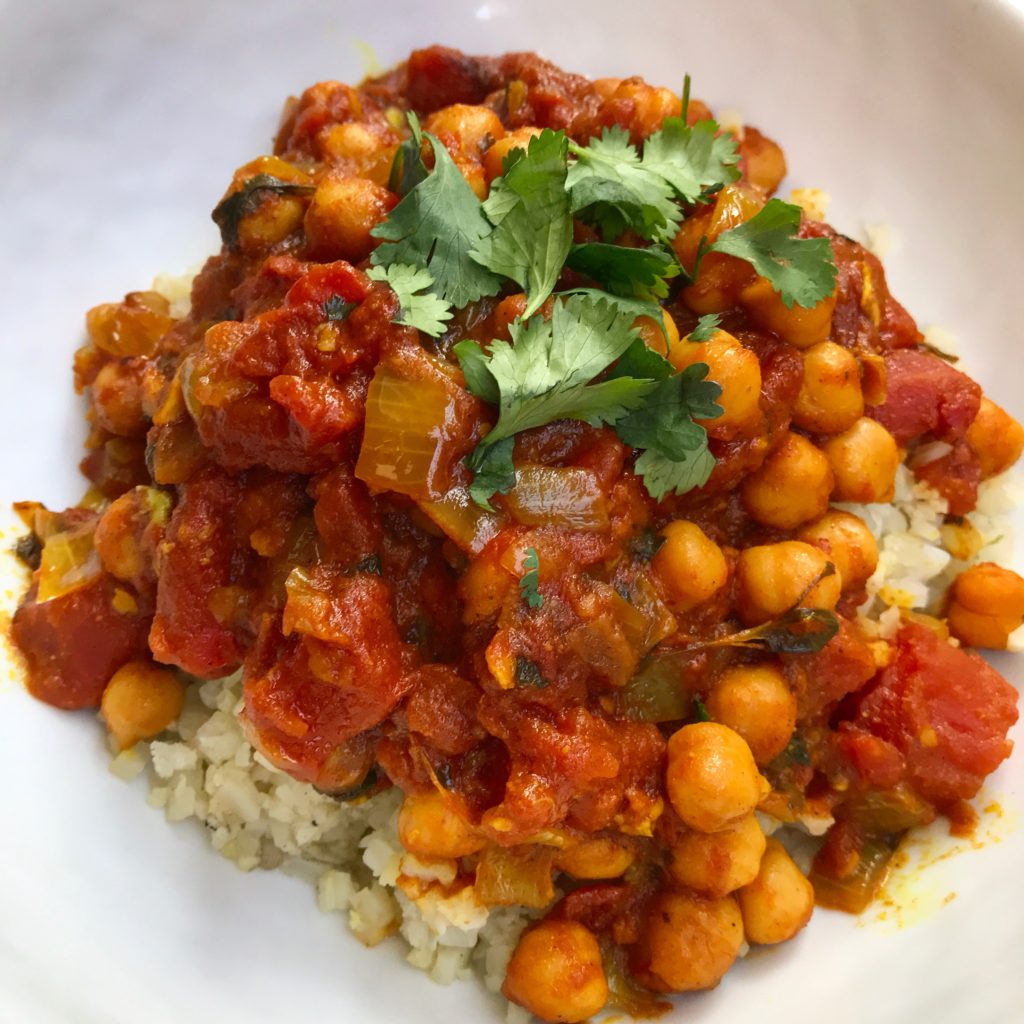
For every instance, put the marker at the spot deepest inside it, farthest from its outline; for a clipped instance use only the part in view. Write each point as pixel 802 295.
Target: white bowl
pixel 121 126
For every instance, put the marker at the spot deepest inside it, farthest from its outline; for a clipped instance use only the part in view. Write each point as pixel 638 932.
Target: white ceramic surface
pixel 120 125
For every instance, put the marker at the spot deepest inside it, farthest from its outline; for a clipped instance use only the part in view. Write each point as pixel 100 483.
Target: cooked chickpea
pixel 851 547
pixel 341 215
pixel 117 399
pixel 830 399
pixel 779 902
pixel 362 151
pixel 996 437
pixel 556 972
pixel 986 605
pixel 650 105
pixel 800 326
pixel 599 857
pixel 494 157
pixel 718 863
pixel 690 565
pixel 689 942
pixel 430 825
pixel 772 578
pixel 734 368
pixel 864 460
pixel 711 776
pixel 792 486
pixel 473 128
pixel 757 702
pixel 763 160
pixel 140 701
pixel 654 336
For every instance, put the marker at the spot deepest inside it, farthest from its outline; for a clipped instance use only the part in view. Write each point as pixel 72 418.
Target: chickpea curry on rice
pixel 500 450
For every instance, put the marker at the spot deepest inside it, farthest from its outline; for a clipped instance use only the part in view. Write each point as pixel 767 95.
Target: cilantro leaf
pixel 529 209
pixel 636 273
pixel 337 309
pixel 493 471
pixel 435 226
pixel 706 327
pixel 609 185
pixel 634 307
pixel 425 312
pixel 479 379
pixel 700 710
pixel 408 168
pixel 801 270
pixel 692 160
pixel 662 475
pixel 530 580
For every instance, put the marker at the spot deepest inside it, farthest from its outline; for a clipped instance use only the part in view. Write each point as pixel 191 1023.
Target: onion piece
pixel 557 496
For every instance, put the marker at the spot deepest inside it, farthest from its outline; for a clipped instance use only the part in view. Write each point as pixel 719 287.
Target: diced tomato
pixel 946 710
pixel 876 761
pixel 955 476
pixel 323 281
pixel 925 395
pixel 842 666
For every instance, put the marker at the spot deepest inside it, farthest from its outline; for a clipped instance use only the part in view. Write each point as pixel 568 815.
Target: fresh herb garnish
pixel 245 200
pixel 700 710
pixel 418 306
pixel 706 327
pixel 528 673
pixel 529 209
pixel 408 168
pixel 637 273
pixel 646 544
pixel 801 270
pixel 546 373
pixel 434 227
pixel 531 580
pixel 370 564
pixel 796 751
pixel 337 309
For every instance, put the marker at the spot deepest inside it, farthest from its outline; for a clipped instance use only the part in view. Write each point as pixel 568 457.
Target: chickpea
pixel 473 128
pixel 996 437
pixel 556 972
pixel 341 215
pixel 361 150
pixel 779 902
pixel 598 857
pixel 757 702
pixel 851 547
pixel 830 399
pixel 771 579
pixel 494 158
pixel 653 335
pixel 986 606
pixel 737 370
pixel 689 942
pixel 864 460
pixel 711 776
pixel 650 105
pixel 117 399
pixel 140 701
pixel 763 160
pixel 792 486
pixel 718 863
pixel 430 825
pixel 690 565
pixel 799 325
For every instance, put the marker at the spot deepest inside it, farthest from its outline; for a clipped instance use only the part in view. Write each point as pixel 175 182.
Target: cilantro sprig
pixel 530 580
pixel 418 306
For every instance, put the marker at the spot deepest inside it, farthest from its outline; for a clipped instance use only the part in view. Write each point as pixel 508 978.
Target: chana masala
pixel 500 450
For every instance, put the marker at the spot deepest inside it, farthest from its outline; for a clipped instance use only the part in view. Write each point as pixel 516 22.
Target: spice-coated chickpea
pixel 851 547
pixel 779 902
pixel 689 564
pixel 430 826
pixel 763 160
pixel 556 972
pixel 830 399
pixel 757 702
pixel 792 486
pixel 494 157
pixel 737 371
pixel 718 863
pixel 341 215
pixel 140 701
pixel 598 857
pixel 360 149
pixel 800 326
pixel 688 942
pixel 864 460
pixel 655 337
pixel 986 605
pixel 711 777
pixel 474 128
pixel 996 437
pixel 772 578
